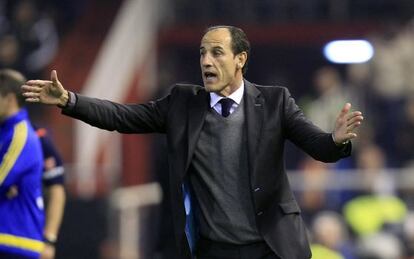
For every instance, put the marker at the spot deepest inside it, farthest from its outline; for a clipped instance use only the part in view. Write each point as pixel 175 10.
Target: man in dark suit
pixel 225 141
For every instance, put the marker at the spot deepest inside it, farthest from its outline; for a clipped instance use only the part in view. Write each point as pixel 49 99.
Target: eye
pixel 217 52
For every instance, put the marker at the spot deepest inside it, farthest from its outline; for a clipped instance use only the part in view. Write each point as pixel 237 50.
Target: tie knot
pixel 226 104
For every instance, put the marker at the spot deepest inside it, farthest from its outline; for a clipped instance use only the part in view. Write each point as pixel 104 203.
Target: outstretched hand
pixel 345 124
pixel 45 91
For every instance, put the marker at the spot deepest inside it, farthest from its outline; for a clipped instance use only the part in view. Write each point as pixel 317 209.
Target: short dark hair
pixel 10 82
pixel 239 41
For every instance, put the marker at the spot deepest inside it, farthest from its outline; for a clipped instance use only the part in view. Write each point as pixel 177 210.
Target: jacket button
pixel 259 213
pixel 257 189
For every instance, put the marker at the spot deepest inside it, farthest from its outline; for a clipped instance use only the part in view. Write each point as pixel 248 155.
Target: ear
pixel 241 59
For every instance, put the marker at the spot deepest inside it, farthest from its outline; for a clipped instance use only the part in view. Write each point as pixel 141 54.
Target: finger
pixel 352 135
pixel 33 100
pixel 354 122
pixel 355 119
pixel 38 82
pixel 353 126
pixel 349 136
pixel 345 109
pixel 54 77
pixel 353 114
pixel 35 89
pixel 31 94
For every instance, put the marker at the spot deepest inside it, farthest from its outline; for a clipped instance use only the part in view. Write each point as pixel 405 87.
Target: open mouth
pixel 210 76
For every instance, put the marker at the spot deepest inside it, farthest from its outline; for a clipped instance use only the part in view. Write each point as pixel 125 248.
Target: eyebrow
pixel 214 48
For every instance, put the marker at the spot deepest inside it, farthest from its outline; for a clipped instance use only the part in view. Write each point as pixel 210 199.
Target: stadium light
pixel 348 51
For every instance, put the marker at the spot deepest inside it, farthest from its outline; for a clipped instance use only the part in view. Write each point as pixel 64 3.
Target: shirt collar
pixel 236 96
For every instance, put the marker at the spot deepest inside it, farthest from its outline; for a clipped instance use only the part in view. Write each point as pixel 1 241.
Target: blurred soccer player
pixel 55 197
pixel 21 202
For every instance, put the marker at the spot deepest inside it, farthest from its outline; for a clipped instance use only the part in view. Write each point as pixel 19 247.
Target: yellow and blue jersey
pixel 21 216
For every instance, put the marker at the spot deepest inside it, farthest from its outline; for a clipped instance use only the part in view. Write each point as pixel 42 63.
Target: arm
pixel 6 169
pixel 320 145
pixel 55 196
pixel 124 118
pixel 55 200
pixel 13 161
pixel 104 114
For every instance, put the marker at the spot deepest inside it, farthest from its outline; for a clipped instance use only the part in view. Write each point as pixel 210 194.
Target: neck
pixel 10 112
pixel 232 87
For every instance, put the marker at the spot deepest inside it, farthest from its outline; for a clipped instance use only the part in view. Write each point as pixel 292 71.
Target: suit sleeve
pixel 124 118
pixel 307 136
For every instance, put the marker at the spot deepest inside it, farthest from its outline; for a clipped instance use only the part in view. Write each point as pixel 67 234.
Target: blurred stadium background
pixel 134 50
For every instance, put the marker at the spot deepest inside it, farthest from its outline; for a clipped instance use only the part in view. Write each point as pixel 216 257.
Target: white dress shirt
pixel 236 96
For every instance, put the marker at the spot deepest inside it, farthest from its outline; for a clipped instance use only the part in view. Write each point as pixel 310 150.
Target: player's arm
pixel 55 196
pixel 55 200
pixel 10 152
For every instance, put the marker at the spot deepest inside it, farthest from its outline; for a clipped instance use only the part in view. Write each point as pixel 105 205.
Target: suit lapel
pixel 197 110
pixel 254 111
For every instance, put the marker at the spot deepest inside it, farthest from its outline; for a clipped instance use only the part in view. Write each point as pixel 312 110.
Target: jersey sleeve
pixel 53 169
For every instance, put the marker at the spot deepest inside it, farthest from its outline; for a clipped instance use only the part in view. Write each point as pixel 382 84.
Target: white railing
pixel 128 202
pixel 398 179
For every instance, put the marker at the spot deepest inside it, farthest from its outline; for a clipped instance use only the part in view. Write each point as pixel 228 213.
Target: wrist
pixel 50 239
pixel 63 99
pixel 339 144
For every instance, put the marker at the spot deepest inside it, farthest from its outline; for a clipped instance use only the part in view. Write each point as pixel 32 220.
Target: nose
pixel 205 60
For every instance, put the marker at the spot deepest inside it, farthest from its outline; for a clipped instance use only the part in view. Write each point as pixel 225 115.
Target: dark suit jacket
pixel 271 117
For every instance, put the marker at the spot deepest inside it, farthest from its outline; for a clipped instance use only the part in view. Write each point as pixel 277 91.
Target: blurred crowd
pixel 30 31
pixel 271 11
pixel 29 39
pixel 371 214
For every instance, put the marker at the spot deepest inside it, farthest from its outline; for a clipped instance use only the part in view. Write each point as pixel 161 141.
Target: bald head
pixel 239 41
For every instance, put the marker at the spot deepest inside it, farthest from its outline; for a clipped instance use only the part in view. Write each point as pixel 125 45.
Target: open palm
pixel 44 91
pixel 345 124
